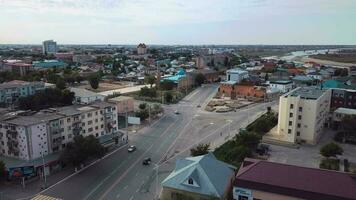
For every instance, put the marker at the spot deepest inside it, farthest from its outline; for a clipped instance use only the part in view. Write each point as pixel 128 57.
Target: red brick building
pixel 227 89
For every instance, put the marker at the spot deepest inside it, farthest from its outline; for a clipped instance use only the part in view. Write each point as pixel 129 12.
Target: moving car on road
pixel 131 148
pixel 146 161
pixel 176 112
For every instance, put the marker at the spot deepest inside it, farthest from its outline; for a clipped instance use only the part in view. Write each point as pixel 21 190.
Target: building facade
pixel 27 135
pixel 236 75
pixel 282 85
pixel 49 47
pixel 303 113
pixel 10 92
pixel 141 49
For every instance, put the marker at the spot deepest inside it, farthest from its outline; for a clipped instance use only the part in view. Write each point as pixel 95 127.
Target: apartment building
pixel 282 85
pixel 236 75
pixel 303 113
pixel 28 135
pixel 11 91
pixel 49 47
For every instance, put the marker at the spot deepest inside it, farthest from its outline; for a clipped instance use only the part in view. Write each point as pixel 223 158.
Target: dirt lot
pixel 105 86
pixel 226 105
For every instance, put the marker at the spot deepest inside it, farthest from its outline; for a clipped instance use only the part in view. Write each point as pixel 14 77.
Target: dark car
pixel 131 148
pixel 146 161
pixel 262 149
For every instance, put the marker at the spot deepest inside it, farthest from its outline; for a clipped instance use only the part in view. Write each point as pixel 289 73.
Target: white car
pixel 131 148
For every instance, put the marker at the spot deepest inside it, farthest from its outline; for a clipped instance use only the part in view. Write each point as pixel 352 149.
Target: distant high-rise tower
pixel 49 47
pixel 141 49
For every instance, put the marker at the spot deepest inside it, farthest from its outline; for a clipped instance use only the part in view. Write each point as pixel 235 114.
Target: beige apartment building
pixel 303 113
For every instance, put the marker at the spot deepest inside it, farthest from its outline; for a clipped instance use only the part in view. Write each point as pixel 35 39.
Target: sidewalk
pixel 14 190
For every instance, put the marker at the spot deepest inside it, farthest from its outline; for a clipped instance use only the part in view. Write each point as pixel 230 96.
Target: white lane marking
pixel 135 163
pixel 117 196
pixel 75 173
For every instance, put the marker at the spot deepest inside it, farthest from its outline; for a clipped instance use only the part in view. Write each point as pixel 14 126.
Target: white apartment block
pixel 29 135
pixel 236 75
pixel 303 113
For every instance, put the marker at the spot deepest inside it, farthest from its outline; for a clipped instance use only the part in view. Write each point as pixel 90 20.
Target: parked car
pixel 146 161
pixel 198 105
pixel 262 149
pixel 176 112
pixel 131 148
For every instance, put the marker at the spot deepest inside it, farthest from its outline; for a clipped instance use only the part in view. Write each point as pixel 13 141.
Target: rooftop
pixel 307 92
pixel 300 182
pixel 346 111
pixel 236 71
pixel 210 176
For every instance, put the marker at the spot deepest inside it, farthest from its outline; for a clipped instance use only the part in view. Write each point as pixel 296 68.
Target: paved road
pixel 122 175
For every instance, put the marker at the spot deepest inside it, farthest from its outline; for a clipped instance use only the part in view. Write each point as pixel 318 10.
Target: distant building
pixel 236 75
pixel 68 57
pixel 199 62
pixel 10 92
pixel 303 113
pixel 200 177
pixel 82 59
pixel 83 96
pixel 141 49
pixel 340 113
pixel 49 47
pixel 259 179
pixel 18 67
pixel 124 104
pixel 49 64
pixel 282 85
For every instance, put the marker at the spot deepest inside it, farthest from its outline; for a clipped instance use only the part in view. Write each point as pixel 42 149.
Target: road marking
pixel 126 187
pixel 138 189
pixel 117 196
pixel 134 164
pixel 132 197
pixel 77 172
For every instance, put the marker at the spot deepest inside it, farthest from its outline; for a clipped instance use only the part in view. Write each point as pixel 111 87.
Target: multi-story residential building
pixel 49 47
pixel 303 113
pixel 18 67
pixel 343 93
pixel 11 91
pixel 141 49
pixel 259 179
pixel 28 135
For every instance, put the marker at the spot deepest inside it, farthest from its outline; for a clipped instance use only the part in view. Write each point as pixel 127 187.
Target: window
pixel 289 131
pixel 300 109
pixel 90 130
pixel 290 114
pixel 298 133
pixel 298 125
pixel 290 123
pixel 90 122
pixel 299 117
pixel 291 106
pixel 68 119
pixel 190 181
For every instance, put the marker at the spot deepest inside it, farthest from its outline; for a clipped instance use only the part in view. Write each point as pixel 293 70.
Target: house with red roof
pixel 260 179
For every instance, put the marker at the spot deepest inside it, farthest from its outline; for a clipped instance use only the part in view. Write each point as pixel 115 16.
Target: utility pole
pixel 126 123
pixel 44 173
pixel 149 114
pixel 156 193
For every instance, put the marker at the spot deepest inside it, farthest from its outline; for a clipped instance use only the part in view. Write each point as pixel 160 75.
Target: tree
pixel 2 168
pixel 94 82
pixel 81 149
pixel 331 150
pixel 142 106
pixel 148 92
pixel 168 97
pixel 150 79
pixel 167 85
pixel 60 84
pixel 200 79
pixel 199 150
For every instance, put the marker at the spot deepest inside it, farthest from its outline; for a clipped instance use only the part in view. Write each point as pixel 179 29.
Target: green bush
pixel 331 164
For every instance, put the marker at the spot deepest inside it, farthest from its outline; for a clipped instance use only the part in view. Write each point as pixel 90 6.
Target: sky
pixel 182 22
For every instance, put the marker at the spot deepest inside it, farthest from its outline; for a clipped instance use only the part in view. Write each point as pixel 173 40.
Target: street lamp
pixel 156 192
pixel 44 174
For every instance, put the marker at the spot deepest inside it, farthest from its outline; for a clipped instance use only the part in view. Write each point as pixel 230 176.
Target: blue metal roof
pixel 210 176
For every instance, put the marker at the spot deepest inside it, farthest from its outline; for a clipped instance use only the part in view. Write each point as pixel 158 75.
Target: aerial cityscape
pixel 177 100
